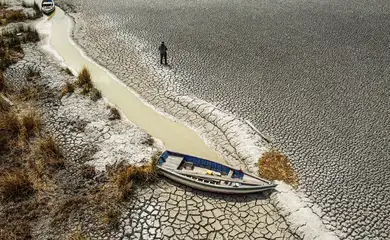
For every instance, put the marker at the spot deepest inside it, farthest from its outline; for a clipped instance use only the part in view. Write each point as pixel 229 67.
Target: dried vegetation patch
pixel 67 89
pixel 125 177
pixel 15 186
pixel 274 165
pixel 49 153
pixel 114 113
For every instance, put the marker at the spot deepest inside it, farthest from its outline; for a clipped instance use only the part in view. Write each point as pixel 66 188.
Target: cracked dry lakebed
pixel 312 75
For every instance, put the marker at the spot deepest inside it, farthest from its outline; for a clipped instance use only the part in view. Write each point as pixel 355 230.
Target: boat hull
pixel 212 188
pixel 48 12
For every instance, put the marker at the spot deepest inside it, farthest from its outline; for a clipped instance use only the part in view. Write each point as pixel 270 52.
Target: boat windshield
pixel 47 4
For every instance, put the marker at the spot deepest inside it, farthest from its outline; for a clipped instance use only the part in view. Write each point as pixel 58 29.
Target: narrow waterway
pixel 175 136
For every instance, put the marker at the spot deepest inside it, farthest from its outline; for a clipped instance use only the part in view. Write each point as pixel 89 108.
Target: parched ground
pixel 70 202
pixel 161 211
pixel 312 74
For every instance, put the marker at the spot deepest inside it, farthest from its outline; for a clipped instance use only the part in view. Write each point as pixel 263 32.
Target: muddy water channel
pixel 175 136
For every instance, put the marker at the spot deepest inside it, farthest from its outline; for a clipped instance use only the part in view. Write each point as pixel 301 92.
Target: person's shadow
pixel 169 66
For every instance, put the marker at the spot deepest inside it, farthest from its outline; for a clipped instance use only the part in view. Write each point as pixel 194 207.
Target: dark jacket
pixel 163 48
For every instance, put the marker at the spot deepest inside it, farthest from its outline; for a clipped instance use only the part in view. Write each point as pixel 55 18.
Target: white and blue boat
pixel 48 7
pixel 209 176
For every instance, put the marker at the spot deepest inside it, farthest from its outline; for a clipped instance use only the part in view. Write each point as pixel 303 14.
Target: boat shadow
pixel 240 198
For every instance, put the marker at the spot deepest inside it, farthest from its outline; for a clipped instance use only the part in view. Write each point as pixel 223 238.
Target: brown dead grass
pixel 31 124
pixel 68 71
pixel 274 165
pixel 88 171
pixel 8 16
pixel 15 131
pixel 67 89
pixel 2 82
pixel 111 216
pixel 15 186
pixel 126 177
pixel 10 130
pixel 4 106
pixel 84 78
pixel 95 94
pixel 49 153
pixel 28 93
pixel 68 206
pixel 114 113
pixel 84 81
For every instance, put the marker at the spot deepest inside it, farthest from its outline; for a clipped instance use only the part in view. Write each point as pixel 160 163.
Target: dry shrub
pixel 8 16
pixel 31 123
pixel 124 183
pixel 88 171
pixel 95 94
pixel 68 88
pixel 10 129
pixel 125 177
pixel 68 206
pixel 111 215
pixel 2 82
pixel 114 113
pixel 149 141
pixel 33 75
pixel 31 35
pixel 84 81
pixel 68 71
pixel 84 77
pixel 49 153
pixel 28 93
pixel 4 106
pixel 274 165
pixel 15 186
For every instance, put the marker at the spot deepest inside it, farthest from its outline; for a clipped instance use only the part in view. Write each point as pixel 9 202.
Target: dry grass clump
pixel 78 235
pixel 68 71
pixel 95 94
pixel 10 50
pixel 149 140
pixel 10 130
pixel 67 89
pixel 33 75
pixel 8 16
pixel 28 93
pixel 126 177
pixel 49 153
pixel 15 186
pixel 4 106
pixel 68 206
pixel 274 165
pixel 88 171
pixel 15 130
pixel 114 113
pixel 30 34
pixel 84 81
pixel 2 82
pixel 31 124
pixel 111 216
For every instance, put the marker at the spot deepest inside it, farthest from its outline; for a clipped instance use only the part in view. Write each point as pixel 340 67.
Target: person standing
pixel 163 53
